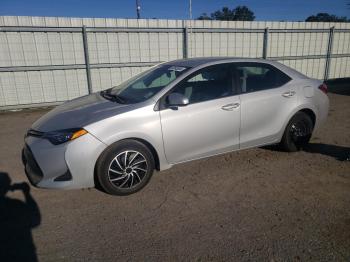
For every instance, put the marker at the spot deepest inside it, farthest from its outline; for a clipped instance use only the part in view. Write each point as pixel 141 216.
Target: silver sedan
pixel 172 113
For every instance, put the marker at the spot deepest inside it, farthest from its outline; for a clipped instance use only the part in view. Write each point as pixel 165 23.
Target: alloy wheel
pixel 299 131
pixel 127 169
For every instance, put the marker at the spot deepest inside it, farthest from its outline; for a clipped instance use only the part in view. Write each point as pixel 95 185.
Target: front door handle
pixel 288 94
pixel 230 107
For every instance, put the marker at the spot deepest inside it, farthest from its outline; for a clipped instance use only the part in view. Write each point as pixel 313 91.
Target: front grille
pixel 32 168
pixel 35 133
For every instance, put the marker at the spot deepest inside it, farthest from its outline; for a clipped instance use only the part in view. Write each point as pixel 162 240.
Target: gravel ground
pixel 257 204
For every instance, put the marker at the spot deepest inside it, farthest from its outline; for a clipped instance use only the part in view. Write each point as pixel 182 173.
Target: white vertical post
pixel 87 60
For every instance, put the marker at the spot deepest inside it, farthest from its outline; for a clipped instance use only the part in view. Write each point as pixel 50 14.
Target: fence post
pixel 87 60
pixel 329 53
pixel 266 42
pixel 185 42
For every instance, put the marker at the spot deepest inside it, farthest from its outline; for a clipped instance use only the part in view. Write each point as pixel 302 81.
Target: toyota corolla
pixel 172 113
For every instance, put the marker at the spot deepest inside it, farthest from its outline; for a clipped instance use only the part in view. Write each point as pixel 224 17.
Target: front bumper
pixel 69 165
pixel 31 167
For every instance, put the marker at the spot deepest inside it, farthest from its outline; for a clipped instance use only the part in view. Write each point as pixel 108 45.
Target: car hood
pixel 78 112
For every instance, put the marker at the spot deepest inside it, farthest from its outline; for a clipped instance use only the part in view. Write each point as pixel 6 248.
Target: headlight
pixel 62 136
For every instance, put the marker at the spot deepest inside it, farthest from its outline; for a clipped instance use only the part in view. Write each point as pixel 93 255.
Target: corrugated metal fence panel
pixel 66 48
pixel 300 44
pixel 310 67
pixel 126 47
pixel 34 87
pixel 32 49
pixel 104 78
pixel 340 67
pixel 297 44
pixel 223 44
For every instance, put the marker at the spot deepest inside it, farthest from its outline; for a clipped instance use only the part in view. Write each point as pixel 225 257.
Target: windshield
pixel 145 85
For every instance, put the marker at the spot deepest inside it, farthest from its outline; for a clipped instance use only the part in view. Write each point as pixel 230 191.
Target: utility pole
pixel 138 8
pixel 189 52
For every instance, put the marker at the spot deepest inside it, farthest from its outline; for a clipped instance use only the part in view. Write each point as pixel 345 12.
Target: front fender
pixel 143 124
pixel 157 145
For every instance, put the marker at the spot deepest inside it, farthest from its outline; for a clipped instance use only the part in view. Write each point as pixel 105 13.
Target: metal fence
pixel 48 60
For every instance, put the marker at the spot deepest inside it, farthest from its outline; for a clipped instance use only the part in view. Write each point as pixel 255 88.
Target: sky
pixel 267 10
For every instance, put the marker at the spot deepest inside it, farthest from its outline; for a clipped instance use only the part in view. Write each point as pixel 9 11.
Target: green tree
pixel 240 13
pixel 204 16
pixel 325 17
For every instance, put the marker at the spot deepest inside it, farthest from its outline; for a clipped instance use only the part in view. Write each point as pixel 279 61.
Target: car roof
pixel 197 61
pixel 201 61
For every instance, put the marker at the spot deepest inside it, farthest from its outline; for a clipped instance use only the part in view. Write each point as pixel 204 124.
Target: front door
pixel 210 123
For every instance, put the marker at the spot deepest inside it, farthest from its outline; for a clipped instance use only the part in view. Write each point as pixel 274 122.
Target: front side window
pixel 252 77
pixel 207 84
pixel 145 85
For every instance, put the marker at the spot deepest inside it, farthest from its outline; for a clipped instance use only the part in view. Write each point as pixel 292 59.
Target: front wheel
pixel 125 167
pixel 297 133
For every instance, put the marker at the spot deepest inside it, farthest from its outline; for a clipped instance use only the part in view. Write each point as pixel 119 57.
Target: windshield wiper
pixel 112 97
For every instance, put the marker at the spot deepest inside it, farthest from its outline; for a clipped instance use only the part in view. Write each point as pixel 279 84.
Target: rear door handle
pixel 288 94
pixel 230 107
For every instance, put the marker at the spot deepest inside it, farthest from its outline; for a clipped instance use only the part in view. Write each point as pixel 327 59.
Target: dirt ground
pixel 253 205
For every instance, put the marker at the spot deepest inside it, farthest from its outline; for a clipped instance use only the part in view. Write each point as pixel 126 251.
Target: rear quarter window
pixel 253 77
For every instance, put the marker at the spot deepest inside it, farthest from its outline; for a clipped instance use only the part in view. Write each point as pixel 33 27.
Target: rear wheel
pixel 125 167
pixel 297 133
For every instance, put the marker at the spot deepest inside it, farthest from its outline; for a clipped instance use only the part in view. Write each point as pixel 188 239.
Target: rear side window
pixel 252 77
pixel 207 84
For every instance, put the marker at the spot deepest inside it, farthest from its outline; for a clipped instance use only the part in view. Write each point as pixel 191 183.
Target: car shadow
pixel 17 219
pixel 339 86
pixel 340 153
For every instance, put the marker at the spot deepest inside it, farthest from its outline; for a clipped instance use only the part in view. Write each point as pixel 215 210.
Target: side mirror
pixel 176 100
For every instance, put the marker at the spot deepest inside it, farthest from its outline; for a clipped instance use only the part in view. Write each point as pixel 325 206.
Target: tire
pixel 297 133
pixel 117 178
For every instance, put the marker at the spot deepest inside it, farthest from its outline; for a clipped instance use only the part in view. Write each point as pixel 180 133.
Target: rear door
pixel 267 98
pixel 209 124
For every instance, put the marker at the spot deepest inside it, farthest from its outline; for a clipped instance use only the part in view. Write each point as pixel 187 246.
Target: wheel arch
pixel 150 147
pixel 310 113
pixel 143 141
pixel 307 109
